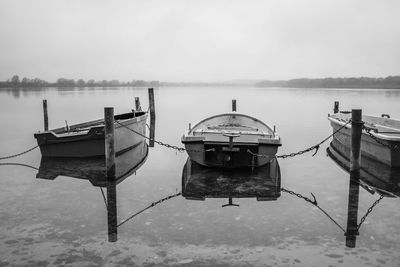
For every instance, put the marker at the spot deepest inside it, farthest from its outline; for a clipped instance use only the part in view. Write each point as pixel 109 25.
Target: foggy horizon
pixel 207 41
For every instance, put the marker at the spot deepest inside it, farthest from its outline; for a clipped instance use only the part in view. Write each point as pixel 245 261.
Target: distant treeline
pixel 390 82
pixel 63 82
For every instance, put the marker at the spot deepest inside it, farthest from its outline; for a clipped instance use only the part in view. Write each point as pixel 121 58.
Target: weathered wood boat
pixel 231 140
pixel 200 182
pixel 87 139
pixel 380 138
pixel 375 177
pixel 93 169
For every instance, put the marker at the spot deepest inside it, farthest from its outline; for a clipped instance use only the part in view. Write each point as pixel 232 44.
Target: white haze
pixel 198 40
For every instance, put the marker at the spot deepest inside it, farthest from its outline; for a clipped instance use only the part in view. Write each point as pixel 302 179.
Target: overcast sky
pixel 199 40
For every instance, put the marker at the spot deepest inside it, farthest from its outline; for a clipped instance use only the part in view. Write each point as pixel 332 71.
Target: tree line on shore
pixel 15 81
pixel 390 82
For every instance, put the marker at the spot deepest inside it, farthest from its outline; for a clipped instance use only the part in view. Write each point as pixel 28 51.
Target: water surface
pixel 64 221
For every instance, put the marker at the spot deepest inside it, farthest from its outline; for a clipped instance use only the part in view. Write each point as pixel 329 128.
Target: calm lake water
pixel 64 221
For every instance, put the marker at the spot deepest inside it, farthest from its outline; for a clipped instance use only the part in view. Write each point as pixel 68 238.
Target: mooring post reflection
pixel 152 117
pixel 352 213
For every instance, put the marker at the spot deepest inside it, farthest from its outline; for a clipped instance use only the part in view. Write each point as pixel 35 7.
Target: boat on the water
pixel 380 138
pixel 87 139
pixel 231 140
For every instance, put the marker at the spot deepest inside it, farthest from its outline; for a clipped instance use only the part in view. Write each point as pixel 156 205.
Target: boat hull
pixel 369 147
pixel 91 143
pixel 220 155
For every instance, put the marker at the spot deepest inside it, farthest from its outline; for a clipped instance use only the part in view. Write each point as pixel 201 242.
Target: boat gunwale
pixel 231 114
pixel 377 135
pixel 90 126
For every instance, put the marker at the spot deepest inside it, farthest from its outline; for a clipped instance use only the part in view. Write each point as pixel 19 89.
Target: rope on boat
pixel 314 147
pixel 315 203
pixel 18 164
pixel 19 154
pixel 148 207
pixel 179 149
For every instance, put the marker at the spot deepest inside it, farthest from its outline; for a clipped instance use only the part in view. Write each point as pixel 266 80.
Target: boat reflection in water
pixel 200 182
pixel 375 177
pixel 94 170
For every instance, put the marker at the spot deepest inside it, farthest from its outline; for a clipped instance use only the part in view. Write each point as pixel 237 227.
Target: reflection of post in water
pixel 355 165
pixel 152 116
pixel 110 173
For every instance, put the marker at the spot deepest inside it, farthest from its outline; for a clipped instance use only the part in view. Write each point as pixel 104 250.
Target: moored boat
pixel 87 139
pixel 380 138
pixel 231 140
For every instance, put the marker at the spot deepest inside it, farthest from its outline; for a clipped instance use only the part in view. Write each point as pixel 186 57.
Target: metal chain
pixel 369 211
pixel 376 139
pixel 18 164
pixel 19 154
pixel 179 149
pixel 313 202
pixel 314 147
pixel 148 207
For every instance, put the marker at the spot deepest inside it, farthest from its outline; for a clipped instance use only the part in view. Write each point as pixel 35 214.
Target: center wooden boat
pixel 87 139
pixel 231 140
pixel 380 138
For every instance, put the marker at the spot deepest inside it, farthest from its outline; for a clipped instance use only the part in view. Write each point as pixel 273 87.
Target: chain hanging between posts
pixel 314 147
pixel 148 207
pixel 18 164
pixel 19 154
pixel 179 149
pixel 369 211
pixel 313 202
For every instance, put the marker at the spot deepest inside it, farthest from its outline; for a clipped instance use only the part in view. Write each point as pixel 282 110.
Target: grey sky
pixel 198 40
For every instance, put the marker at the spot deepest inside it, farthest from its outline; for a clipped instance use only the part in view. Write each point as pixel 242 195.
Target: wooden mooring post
pixel 45 115
pixel 355 165
pixel 233 104
pixel 336 107
pixel 110 173
pixel 152 116
pixel 137 104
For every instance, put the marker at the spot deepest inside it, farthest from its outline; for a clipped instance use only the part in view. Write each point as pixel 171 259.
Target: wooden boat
pixel 231 140
pixel 375 176
pixel 381 142
pixel 93 169
pixel 200 182
pixel 87 139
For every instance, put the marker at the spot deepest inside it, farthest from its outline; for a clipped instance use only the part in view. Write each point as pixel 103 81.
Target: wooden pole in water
pixel 355 165
pixel 233 104
pixel 152 116
pixel 110 173
pixel 45 115
pixel 137 104
pixel 336 107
